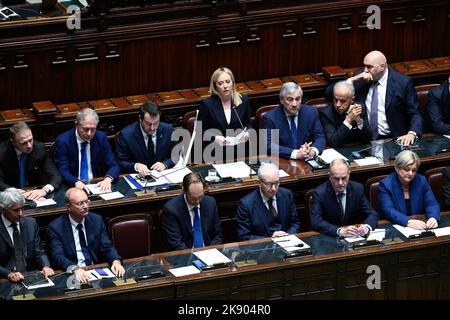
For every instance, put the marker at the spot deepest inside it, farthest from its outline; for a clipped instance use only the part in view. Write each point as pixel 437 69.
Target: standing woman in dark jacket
pixel 226 111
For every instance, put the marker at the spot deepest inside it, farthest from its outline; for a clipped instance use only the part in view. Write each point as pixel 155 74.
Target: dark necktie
pixel 22 168
pixel 84 246
pixel 341 206
pixel 272 209
pixel 198 234
pixel 150 148
pixel 18 252
pixel 374 111
pixel 84 171
pixel 293 132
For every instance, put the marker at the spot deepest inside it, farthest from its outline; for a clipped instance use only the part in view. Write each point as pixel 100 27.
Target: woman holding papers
pixel 227 113
pixel 405 193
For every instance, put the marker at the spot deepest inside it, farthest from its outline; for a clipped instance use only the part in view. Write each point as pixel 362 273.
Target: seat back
pixel 130 234
pixel 318 103
pixel 434 178
pixel 260 113
pixel 306 222
pixel 422 93
pixel 189 120
pixel 372 190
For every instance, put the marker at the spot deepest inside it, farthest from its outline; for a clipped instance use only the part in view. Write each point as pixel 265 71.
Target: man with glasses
pixel 146 144
pixel 299 130
pixel 84 153
pixel 78 239
pixel 338 203
pixel 268 211
pixel 20 245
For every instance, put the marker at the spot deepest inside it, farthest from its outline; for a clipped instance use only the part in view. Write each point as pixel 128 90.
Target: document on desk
pixel 101 273
pixel 212 256
pixel 440 232
pixel 291 243
pixel 282 173
pixel 234 170
pixel 368 161
pixel 330 154
pixel 377 235
pixel 111 195
pixel 407 231
pixel 184 271
pixel 94 189
pixel 44 202
pixel 35 279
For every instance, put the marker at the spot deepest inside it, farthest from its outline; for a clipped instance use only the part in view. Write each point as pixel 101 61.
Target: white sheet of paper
pixel 175 175
pixel 48 283
pixel 440 232
pixel 184 271
pixel 235 169
pixel 232 141
pixel 283 173
pixel 46 202
pixel 112 195
pixel 158 182
pixel 212 257
pixel 94 189
pixel 330 154
pixel 407 231
pixel 368 161
pixel 354 239
pixel 377 234
pixel 289 243
pixel 447 136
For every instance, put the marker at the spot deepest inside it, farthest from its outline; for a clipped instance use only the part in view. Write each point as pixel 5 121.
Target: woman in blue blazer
pixel 405 193
pixel 225 110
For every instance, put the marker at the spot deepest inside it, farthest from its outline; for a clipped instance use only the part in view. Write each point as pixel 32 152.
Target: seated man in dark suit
pixel 268 211
pixel 390 98
pixel 191 220
pixel 446 188
pixel 337 203
pixel 345 121
pixel 300 132
pixel 438 108
pixel 20 245
pixel 24 162
pixel 146 144
pixel 78 238
pixel 83 153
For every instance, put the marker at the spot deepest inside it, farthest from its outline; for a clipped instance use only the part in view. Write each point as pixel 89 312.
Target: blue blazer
pixel 438 109
pixel 325 211
pixel 34 254
pixel 131 147
pixel 177 224
pixel 103 162
pixel 254 218
pixel 337 132
pixel 308 129
pixel 392 201
pixel 62 244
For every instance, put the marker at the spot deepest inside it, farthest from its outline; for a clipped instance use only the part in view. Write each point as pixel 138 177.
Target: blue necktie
pixel 84 246
pixel 84 172
pixel 198 234
pixel 22 166
pixel 374 112
pixel 341 206
pixel 293 132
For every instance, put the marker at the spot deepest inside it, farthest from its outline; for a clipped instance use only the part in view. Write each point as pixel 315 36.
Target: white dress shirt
pixel 192 214
pixel 76 238
pixel 9 228
pixel 266 201
pixel 383 126
pixel 294 152
pixel 88 152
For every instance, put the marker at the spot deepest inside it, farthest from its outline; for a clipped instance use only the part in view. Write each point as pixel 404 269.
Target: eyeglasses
pixel 269 185
pixel 81 203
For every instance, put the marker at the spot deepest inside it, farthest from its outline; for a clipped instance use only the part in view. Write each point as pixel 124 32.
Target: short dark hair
pixel 17 127
pixel 191 178
pixel 150 108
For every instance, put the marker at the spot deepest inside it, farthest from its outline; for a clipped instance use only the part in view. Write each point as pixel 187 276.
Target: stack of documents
pixel 211 257
pixel 169 176
pixel 234 170
pixel 408 232
pixel 368 161
pixel 291 243
pixel 330 154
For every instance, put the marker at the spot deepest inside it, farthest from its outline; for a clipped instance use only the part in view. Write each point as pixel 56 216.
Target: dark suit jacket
pixel 254 218
pixel 131 147
pixel 38 164
pixel 392 201
pixel 308 129
pixel 62 244
pixel 438 109
pixel 177 224
pixel 337 132
pixel 325 211
pixel 103 162
pixel 35 257
pixel 401 105
pixel 446 187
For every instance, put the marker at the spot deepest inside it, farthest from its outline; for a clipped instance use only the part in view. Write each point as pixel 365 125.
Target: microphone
pixel 239 118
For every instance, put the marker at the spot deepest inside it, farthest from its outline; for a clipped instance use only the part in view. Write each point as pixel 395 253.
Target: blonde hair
pixel 235 96
pixel 406 158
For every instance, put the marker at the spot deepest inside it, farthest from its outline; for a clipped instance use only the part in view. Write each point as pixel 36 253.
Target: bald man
pixel 390 98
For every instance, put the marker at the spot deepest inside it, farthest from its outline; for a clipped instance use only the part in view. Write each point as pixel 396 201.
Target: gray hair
pixel 86 113
pixel 290 87
pixel 9 197
pixel 350 87
pixel 406 158
pixel 339 161
pixel 17 127
pixel 266 167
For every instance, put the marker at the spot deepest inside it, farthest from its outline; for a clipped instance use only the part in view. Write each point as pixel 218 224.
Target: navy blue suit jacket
pixel 131 147
pixel 393 204
pixel 34 254
pixel 254 218
pixel 62 243
pixel 326 215
pixel 308 129
pixel 177 224
pixel 337 133
pixel 103 162
pixel 438 109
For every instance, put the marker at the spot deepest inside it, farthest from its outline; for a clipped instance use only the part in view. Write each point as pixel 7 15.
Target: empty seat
pixel 434 178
